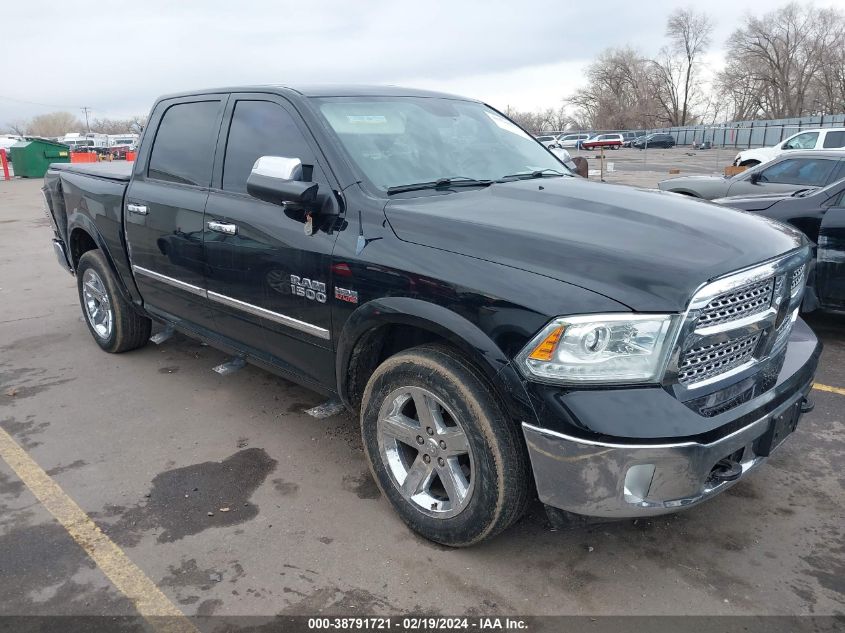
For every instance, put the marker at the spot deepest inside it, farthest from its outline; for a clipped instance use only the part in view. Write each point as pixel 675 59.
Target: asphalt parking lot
pixel 228 499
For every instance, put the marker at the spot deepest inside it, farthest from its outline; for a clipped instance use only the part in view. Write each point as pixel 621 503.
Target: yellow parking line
pixel 112 561
pixel 821 387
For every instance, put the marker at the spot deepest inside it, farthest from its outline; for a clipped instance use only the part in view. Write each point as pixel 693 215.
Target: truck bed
pixel 89 197
pixel 118 170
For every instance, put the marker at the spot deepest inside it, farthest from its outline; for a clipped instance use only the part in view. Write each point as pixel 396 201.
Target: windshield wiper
pixel 803 192
pixel 539 173
pixel 440 183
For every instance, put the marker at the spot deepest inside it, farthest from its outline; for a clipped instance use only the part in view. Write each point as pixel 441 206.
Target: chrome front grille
pixel 701 363
pixel 797 278
pixel 738 321
pixel 737 304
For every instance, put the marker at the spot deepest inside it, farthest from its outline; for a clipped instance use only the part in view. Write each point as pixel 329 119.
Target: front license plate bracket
pixel 780 427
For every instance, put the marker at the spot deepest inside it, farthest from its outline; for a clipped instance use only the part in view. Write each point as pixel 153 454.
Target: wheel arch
pixel 383 327
pixel 83 236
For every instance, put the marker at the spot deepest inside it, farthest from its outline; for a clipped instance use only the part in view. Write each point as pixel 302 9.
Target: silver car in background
pixel 787 173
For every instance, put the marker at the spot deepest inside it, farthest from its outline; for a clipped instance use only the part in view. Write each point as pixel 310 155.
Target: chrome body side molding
pixel 182 285
pixel 264 313
pixel 258 311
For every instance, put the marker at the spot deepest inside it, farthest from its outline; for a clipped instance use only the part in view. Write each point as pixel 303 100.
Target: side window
pixel 183 150
pixel 807 140
pixel 262 128
pixel 812 172
pixel 834 140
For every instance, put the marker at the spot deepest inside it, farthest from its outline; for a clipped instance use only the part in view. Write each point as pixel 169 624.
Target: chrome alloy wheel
pixel 97 305
pixel 426 451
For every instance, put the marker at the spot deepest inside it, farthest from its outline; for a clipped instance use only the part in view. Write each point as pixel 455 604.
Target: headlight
pixel 601 348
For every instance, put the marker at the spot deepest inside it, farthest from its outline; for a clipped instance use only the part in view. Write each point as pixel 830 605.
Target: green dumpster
pixel 32 157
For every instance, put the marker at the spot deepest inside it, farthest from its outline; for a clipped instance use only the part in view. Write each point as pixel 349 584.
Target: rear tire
pixel 114 322
pixel 462 429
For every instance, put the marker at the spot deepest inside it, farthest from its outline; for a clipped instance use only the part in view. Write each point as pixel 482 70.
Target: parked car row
pixel 612 140
pixel 805 189
pixel 817 139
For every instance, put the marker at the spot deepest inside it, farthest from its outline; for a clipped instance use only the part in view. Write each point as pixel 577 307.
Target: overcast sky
pixel 56 55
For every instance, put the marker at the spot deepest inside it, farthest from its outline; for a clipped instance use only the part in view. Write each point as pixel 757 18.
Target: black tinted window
pixel 834 139
pixel 183 150
pixel 813 172
pixel 261 128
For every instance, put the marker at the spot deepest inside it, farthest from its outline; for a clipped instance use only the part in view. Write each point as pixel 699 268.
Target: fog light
pixel 637 482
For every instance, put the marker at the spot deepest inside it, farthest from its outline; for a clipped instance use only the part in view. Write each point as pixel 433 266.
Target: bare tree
pixel 675 72
pixel 18 127
pixel 54 124
pixel 532 122
pixel 830 84
pixel 137 123
pixel 619 95
pixel 133 124
pixel 777 60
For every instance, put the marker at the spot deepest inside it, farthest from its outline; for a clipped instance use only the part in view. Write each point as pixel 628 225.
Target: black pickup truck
pixel 504 329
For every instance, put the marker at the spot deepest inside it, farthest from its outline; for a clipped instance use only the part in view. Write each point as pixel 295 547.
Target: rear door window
pixel 834 140
pixel 183 150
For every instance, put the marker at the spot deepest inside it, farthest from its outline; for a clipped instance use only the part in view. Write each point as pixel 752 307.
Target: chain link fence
pixel 738 135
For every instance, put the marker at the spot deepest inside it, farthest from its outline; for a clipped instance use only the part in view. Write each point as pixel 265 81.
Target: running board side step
pixel 230 366
pixel 160 337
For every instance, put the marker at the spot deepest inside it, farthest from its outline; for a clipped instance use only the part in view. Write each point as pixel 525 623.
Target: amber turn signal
pixel 546 348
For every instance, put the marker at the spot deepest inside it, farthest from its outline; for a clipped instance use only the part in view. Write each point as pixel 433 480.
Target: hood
pixel 674 182
pixel 762 154
pixel 756 202
pixel 649 250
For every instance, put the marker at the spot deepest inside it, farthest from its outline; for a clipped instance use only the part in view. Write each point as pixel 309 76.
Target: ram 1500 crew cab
pixel 493 319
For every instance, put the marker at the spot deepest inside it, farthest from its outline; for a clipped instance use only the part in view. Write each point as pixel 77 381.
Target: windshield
pixel 398 141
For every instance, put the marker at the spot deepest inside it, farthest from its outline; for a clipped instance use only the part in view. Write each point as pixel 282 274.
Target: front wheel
pixel 441 449
pixel 113 322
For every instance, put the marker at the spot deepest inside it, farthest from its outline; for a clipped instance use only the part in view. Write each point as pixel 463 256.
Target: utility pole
pixel 85 109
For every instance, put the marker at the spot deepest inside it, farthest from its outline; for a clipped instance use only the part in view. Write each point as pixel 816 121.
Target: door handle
pixel 140 209
pixel 221 227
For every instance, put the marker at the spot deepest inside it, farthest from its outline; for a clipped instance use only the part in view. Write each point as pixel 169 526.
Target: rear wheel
pixel 113 322
pixel 441 448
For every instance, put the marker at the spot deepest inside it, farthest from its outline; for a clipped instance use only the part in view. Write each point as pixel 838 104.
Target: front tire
pixel 441 448
pixel 113 322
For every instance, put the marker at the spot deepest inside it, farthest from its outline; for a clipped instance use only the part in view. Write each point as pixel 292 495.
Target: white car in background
pixel 821 138
pixel 7 140
pixel 571 140
pixel 548 140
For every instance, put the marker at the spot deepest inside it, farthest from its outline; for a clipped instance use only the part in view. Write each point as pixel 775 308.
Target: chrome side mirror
pixel 279 167
pixel 275 179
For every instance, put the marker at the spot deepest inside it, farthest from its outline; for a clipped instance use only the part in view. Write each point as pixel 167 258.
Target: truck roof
pixel 327 90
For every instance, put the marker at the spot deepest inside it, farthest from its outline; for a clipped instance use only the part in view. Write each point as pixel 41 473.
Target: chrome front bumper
pixel 610 480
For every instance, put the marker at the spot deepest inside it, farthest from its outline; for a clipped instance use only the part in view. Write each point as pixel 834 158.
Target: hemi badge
pixel 350 296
